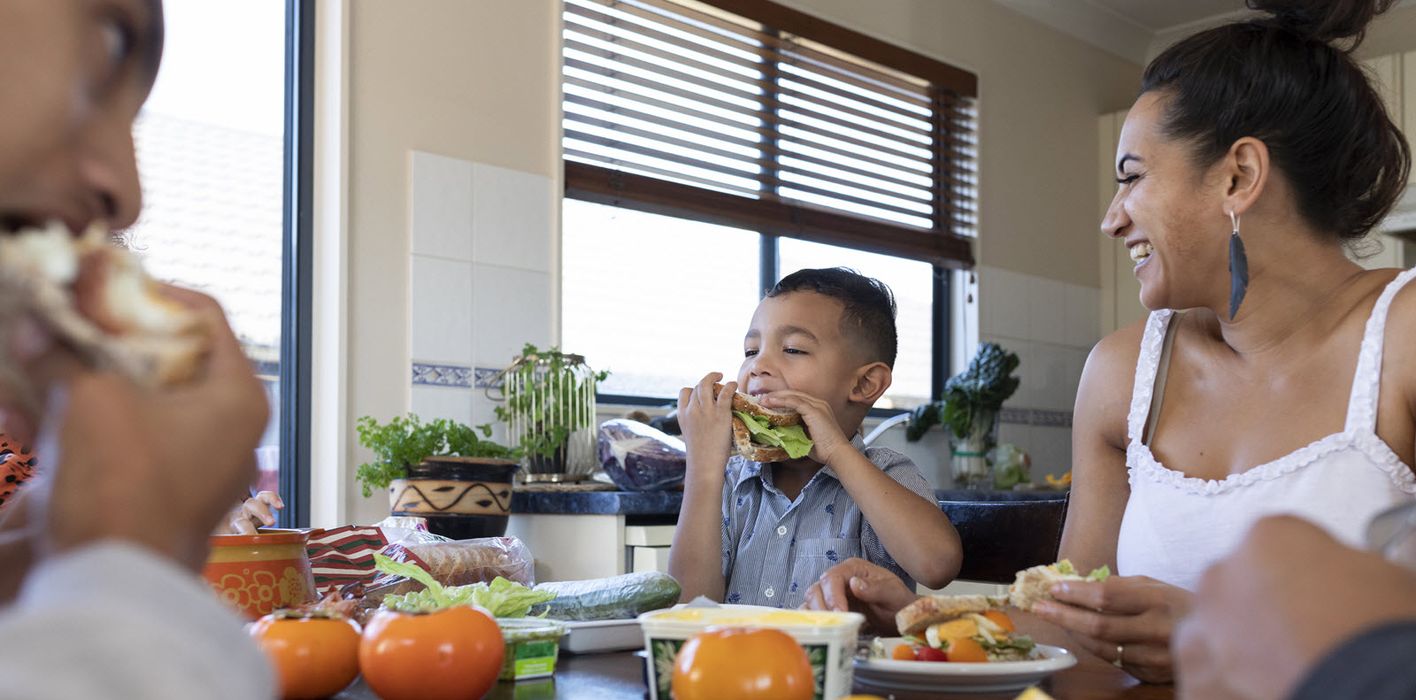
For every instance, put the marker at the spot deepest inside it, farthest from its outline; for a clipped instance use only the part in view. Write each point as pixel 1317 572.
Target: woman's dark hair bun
pixel 1323 20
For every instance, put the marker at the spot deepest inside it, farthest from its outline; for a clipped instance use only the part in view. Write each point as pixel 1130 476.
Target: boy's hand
pixel 707 423
pixel 256 512
pixel 826 436
pixel 860 586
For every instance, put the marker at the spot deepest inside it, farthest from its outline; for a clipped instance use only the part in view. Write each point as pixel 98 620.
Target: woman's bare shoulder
pixel 1104 395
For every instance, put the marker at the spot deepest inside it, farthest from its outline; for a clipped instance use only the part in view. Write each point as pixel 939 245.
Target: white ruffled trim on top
pixel 1144 465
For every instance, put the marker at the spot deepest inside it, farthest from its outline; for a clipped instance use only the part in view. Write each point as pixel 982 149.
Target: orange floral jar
pixel 260 573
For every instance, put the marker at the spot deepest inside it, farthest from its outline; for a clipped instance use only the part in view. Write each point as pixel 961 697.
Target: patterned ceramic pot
pixel 461 497
pixel 260 573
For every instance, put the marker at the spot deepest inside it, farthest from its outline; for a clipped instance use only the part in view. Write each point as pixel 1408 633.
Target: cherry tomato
pixel 929 653
pixel 315 657
pixel 743 664
pixel 903 652
pixel 1000 618
pixel 965 649
pixel 452 654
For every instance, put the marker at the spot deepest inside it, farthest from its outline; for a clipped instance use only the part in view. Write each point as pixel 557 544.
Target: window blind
pixel 755 115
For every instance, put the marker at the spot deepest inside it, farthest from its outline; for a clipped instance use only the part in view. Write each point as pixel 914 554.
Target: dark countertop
pixel 597 502
pixel 669 502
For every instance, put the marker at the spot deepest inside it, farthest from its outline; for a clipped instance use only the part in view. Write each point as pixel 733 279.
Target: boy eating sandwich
pixel 760 526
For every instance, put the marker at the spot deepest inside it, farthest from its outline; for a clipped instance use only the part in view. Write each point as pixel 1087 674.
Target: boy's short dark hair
pixel 869 314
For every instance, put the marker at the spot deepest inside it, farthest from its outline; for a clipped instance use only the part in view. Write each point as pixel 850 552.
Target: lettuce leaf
pixel 1100 573
pixel 505 598
pixel 791 438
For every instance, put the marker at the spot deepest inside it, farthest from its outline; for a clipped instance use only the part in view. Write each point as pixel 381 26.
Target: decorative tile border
pixel 428 374
pixel 486 377
pixel 1036 416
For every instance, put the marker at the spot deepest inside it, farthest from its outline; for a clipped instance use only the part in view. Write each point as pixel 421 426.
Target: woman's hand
pixel 1124 618
pixel 707 424
pixel 857 585
pixel 256 512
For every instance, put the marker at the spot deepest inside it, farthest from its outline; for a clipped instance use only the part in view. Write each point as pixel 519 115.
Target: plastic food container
pixel 532 646
pixel 829 639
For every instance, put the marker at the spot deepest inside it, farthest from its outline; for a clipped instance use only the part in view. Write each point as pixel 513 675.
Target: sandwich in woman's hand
pixel 97 301
pixel 1034 585
pixel 763 434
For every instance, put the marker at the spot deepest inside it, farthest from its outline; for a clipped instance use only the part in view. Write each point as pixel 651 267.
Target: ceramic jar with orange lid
pixel 260 573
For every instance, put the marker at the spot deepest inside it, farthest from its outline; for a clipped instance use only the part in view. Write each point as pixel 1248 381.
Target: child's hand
pixel 826 436
pixel 707 423
pixel 258 511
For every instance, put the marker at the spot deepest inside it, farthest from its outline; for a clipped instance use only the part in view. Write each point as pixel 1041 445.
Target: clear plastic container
pixel 829 639
pixel 532 647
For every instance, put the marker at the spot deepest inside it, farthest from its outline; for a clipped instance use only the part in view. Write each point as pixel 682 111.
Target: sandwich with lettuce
pixel 764 434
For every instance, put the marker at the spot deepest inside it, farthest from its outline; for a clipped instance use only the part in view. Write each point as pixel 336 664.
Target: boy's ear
pixel 872 381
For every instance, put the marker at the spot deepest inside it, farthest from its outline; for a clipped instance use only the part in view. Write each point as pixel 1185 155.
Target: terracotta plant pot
pixel 461 497
pixel 260 573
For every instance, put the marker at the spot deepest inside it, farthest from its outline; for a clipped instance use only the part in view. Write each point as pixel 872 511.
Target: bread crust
pixel 916 617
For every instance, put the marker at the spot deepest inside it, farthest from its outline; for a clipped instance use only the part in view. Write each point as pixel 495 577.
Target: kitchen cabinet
pixel 1395 79
pixel 1120 292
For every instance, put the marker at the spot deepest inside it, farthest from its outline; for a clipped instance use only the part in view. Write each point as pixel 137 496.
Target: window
pixel 214 142
pixel 690 126
pixel 913 283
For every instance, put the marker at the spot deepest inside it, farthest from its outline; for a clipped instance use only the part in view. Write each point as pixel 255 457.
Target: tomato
pixel 929 653
pixel 903 652
pixel 1000 618
pixel 744 664
pixel 966 650
pixel 315 657
pixel 452 654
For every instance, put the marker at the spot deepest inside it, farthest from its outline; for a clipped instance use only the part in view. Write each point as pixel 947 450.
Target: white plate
pixel 601 635
pixel 942 676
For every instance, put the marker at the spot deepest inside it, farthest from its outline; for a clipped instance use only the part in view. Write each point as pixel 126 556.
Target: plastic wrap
pixel 614 598
pixel 456 563
pixel 638 457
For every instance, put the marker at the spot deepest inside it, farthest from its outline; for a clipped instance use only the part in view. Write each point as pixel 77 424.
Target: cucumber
pixel 614 598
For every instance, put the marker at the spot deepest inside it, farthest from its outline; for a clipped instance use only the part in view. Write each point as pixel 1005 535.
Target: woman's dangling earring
pixel 1238 268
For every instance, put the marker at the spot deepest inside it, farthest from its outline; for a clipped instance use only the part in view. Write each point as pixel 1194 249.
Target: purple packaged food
pixel 638 457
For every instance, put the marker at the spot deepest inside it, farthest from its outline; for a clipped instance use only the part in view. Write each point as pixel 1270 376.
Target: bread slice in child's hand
pixel 747 442
pixel 98 302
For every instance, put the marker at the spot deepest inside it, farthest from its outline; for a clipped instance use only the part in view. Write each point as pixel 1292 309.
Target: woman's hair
pixel 1279 79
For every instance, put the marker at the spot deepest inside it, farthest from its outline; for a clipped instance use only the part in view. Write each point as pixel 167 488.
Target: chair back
pixel 1003 537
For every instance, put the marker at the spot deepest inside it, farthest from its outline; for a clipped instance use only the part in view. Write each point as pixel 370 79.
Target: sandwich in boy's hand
pixel 97 301
pixel 764 434
pixel 1032 586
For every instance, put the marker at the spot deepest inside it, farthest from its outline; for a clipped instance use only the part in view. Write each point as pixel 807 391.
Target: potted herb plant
pixel 448 472
pixel 969 410
pixel 549 409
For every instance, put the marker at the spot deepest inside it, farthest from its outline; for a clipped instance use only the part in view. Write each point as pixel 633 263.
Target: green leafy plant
pixel 406 440
pixel 983 387
pixel 548 413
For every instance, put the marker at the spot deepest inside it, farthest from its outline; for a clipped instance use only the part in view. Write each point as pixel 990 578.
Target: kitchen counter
pixel 668 503
pixel 597 502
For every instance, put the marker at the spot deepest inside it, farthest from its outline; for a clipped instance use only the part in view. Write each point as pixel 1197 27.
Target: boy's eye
pixel 749 352
pixel 1127 179
pixel 794 351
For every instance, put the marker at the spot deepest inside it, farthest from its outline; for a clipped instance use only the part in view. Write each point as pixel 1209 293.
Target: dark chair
pixel 1005 532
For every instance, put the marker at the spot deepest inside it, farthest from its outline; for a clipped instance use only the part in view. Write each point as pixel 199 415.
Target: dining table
pixel 621 675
